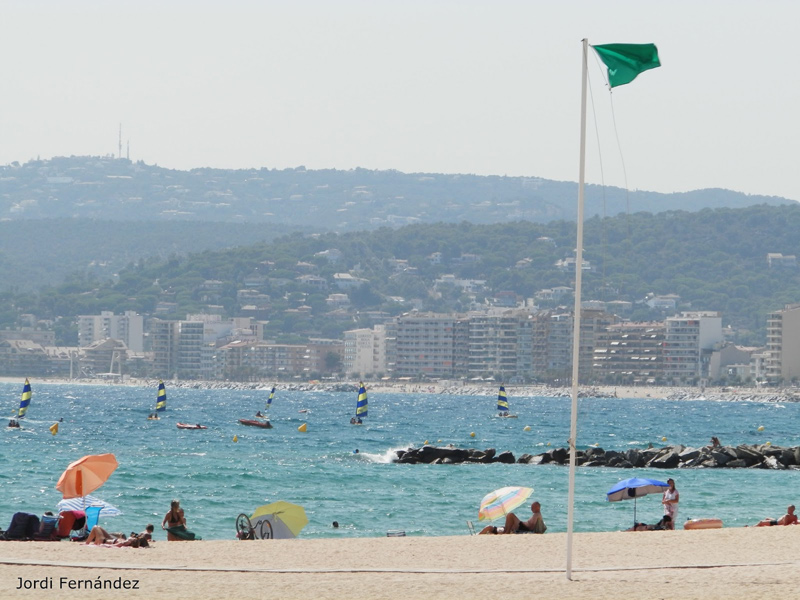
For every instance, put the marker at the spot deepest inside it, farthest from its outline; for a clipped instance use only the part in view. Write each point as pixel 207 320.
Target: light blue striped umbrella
pixel 106 510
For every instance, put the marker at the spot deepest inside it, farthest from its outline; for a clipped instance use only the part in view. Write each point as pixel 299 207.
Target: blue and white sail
pixel 25 400
pixel 502 400
pixel 161 397
pixel 361 405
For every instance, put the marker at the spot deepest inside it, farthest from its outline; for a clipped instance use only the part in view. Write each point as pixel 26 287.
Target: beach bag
pixel 23 526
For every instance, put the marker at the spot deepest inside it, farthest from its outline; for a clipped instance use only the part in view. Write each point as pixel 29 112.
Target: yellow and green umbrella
pixel 285 520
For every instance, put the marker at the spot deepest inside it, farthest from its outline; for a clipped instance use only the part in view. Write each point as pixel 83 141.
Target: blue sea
pixel 217 478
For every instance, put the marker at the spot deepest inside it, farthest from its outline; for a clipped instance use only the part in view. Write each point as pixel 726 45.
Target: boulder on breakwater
pixel 761 456
pixel 436 455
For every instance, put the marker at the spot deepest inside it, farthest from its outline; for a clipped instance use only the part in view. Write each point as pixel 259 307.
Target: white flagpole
pixel 576 332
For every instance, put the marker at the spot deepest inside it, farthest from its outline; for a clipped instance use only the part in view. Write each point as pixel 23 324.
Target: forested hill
pixel 712 259
pixel 109 189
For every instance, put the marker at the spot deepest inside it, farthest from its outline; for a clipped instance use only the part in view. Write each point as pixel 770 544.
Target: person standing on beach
pixel 174 518
pixel 670 502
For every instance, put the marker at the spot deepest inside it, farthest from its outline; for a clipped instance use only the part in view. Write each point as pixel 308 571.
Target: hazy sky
pixel 490 87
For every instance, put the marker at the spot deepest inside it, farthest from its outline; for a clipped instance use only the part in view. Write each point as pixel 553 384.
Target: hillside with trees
pixel 712 259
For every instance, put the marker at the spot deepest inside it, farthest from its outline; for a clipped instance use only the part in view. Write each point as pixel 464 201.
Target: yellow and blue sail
pixel 26 399
pixel 361 405
pixel 161 398
pixel 271 396
pixel 502 400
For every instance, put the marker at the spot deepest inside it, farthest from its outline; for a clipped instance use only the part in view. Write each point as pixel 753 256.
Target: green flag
pixel 626 61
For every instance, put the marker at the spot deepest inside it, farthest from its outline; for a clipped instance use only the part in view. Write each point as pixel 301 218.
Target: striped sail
pixel 361 406
pixel 502 400
pixel 161 398
pixel 26 399
pixel 271 396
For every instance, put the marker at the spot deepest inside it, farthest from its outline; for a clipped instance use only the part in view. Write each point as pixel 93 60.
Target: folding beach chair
pixel 92 516
pixel 471 528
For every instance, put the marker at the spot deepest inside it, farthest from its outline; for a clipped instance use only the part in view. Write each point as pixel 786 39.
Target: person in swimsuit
pixel 788 519
pixel 670 502
pixel 174 518
pixel 513 524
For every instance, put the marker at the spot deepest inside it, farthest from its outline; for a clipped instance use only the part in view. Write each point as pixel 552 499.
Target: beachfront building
pixel 23 358
pixel 731 362
pixel 783 344
pixel 425 345
pixel 127 327
pixel 689 341
pixel 497 344
pixel 552 343
pixel 365 351
pixel 630 353
pixel 185 348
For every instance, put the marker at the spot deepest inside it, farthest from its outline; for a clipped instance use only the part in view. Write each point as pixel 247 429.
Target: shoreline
pixel 733 563
pixel 715 394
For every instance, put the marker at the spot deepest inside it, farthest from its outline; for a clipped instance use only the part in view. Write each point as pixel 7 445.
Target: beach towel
pixel 181 532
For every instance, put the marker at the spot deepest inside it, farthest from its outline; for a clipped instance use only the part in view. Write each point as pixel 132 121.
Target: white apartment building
pixel 127 327
pixel 783 344
pixel 365 351
pixel 688 343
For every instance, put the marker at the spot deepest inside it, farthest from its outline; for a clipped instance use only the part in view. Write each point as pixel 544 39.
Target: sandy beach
pixel 734 563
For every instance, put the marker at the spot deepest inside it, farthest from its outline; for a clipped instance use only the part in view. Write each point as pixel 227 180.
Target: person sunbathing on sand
pixel 664 523
pixel 100 536
pixel 513 525
pixel 788 519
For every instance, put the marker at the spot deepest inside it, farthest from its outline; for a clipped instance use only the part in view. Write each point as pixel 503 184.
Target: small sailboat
pixel 502 404
pixel 23 404
pixel 361 405
pixel 161 401
pixel 266 408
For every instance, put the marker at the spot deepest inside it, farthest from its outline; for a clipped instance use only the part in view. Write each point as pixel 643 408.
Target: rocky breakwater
pixel 435 455
pixel 668 457
pixel 677 457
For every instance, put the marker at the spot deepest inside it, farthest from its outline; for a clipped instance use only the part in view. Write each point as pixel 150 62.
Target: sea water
pixel 217 478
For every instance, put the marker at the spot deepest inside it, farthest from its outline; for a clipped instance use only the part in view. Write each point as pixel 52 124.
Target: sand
pixel 734 563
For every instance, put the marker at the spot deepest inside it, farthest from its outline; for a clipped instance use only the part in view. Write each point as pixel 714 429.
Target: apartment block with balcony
pixel 783 345
pixel 630 352
pixel 689 340
pixel 425 344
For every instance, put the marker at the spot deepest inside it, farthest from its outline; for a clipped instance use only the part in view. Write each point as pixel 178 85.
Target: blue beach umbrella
pixel 634 488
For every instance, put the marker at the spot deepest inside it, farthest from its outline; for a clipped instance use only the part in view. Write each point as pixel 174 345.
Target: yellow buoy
pixel 54 428
pixel 235 438
pixel 526 428
pixel 426 443
pixel 303 428
pixel 761 428
pixel 664 439
pixel 472 434
pixel 769 443
pixel 438 441
pixel 548 443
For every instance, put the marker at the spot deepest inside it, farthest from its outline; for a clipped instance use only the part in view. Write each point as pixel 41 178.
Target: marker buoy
pixel 472 434
pixel 526 428
pixel 761 428
pixel 768 444
pixel 303 428
pixel 426 443
pixel 54 428
pixel 235 438
pixel 664 439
